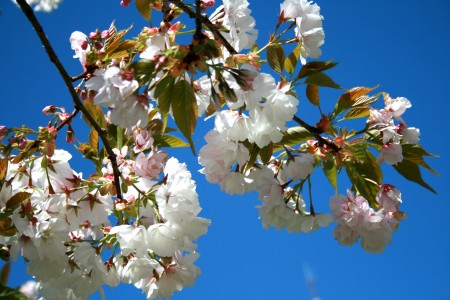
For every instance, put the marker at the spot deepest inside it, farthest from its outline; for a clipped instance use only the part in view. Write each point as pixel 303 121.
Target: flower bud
pixel 93 35
pixel 84 45
pixel 49 110
pixel 105 34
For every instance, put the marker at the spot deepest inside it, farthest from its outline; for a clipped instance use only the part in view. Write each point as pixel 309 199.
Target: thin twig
pixel 198 22
pixel 316 132
pixel 82 75
pixel 192 14
pixel 68 119
pixel 78 104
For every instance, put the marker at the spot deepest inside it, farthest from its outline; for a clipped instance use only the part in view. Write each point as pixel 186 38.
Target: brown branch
pixel 316 132
pixel 193 15
pixel 78 77
pixel 198 22
pixel 78 104
pixel 66 121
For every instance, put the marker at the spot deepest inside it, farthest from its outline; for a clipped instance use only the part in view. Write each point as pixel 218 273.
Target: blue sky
pixel 401 45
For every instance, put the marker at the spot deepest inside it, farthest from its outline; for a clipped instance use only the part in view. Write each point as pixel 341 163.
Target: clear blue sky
pixel 402 45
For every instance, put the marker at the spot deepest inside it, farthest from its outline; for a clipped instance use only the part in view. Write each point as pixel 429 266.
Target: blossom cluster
pixel 61 223
pixel 393 135
pixel 356 219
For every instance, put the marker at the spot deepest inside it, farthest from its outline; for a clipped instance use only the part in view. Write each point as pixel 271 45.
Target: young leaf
pixel 184 109
pixel 312 93
pixel 415 154
pixel 291 61
pixel 330 171
pixel 350 97
pixel 357 112
pixel 365 175
pixel 113 41
pixel 293 136
pixel 143 6
pixel 166 140
pixel 3 167
pixel 321 79
pixel 266 153
pixel 93 140
pixel 315 67
pixel 17 199
pixel 411 171
pixel 275 57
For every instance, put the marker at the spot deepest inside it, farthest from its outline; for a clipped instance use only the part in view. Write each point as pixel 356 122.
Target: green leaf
pixel 415 154
pixel 93 140
pixel 366 176
pixel 165 91
pixel 166 140
pixel 11 294
pixel 315 67
pixel 312 93
pixel 350 97
pixel 321 79
pixel 166 83
pixel 291 61
pixel 293 136
pixel 185 110
pixel 143 6
pixel 275 57
pixel 17 199
pixel 330 171
pixel 143 70
pixel 411 171
pixel 266 153
pixel 96 112
pixel 358 112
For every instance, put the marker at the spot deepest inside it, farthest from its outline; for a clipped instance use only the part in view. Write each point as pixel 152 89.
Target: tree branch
pixel 316 132
pixel 67 120
pixel 193 15
pixel 78 104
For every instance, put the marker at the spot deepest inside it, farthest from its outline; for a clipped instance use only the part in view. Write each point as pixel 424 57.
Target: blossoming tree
pixel 135 219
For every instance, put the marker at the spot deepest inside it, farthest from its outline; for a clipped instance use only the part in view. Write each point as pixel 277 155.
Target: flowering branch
pixel 68 119
pixel 78 104
pixel 316 132
pixel 192 14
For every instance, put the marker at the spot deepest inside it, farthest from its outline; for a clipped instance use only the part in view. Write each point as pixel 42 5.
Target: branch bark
pixel 78 104
pixel 193 15
pixel 316 132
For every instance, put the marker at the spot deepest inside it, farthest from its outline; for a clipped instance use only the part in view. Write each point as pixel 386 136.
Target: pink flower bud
pixel 152 31
pixel 105 34
pixel 208 3
pixel 22 143
pixel 70 136
pixel 93 35
pixel 84 45
pixel 98 46
pixel 174 28
pixel 49 110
